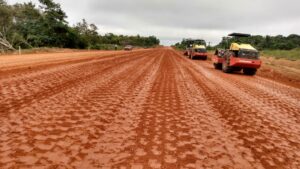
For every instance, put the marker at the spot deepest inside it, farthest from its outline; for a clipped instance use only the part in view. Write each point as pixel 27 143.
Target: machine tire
pixel 249 71
pixel 185 53
pixel 218 66
pixel 238 69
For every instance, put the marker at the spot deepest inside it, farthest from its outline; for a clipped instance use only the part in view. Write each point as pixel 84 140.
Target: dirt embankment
pixel 143 109
pixel 282 70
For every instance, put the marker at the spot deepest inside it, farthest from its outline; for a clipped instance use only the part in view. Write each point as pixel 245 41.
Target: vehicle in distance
pixel 217 58
pixel 196 49
pixel 238 57
pixel 128 47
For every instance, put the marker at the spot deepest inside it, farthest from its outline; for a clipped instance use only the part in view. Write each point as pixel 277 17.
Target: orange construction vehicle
pixel 238 57
pixel 196 49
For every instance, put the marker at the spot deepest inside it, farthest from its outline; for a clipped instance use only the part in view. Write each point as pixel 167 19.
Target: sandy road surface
pixel 144 109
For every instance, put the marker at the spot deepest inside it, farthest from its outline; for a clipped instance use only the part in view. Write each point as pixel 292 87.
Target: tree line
pixel 181 45
pixel 265 42
pixel 279 42
pixel 29 26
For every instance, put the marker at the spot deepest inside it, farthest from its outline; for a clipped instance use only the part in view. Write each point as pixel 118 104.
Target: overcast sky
pixel 172 20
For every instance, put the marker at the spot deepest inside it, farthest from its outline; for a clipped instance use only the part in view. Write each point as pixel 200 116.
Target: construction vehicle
pixel 196 49
pixel 217 58
pixel 128 47
pixel 238 57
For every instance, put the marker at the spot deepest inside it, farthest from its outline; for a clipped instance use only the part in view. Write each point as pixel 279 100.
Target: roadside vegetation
pixel 293 54
pixel 278 42
pixel 29 26
pixel 279 47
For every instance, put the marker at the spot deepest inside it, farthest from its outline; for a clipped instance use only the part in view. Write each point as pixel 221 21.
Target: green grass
pixel 283 54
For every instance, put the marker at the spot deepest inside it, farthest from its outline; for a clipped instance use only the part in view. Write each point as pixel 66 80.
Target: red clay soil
pixel 144 109
pixel 280 76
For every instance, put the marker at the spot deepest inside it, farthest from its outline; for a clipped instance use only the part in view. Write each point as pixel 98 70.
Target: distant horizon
pixel 171 21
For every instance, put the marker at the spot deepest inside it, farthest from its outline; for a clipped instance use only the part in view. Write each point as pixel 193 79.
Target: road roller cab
pixel 238 57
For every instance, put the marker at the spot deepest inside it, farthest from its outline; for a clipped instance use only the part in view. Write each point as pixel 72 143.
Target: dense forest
pixel 29 26
pixel 260 42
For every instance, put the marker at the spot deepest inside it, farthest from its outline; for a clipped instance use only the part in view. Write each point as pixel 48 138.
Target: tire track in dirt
pixel 269 100
pixel 31 63
pixel 272 139
pixel 151 109
pixel 281 90
pixel 273 101
pixel 179 130
pixel 278 107
pixel 155 143
pixel 117 142
pixel 15 73
pixel 20 92
pixel 42 77
pixel 284 95
pixel 214 145
pixel 23 133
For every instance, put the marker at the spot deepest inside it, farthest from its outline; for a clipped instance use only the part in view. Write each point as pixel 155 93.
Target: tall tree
pixel 53 11
pixel 27 23
pixel 89 32
pixel 6 23
pixel 55 28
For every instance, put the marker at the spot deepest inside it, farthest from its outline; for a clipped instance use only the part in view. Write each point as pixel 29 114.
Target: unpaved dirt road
pixel 143 109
